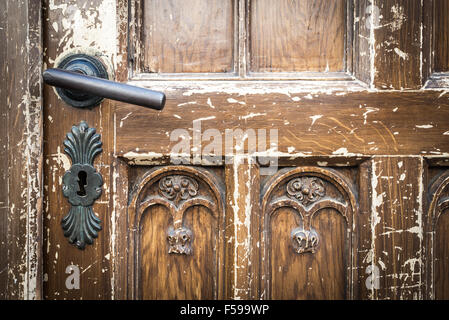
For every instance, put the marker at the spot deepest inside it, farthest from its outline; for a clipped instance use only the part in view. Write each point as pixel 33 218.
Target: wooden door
pixel 302 152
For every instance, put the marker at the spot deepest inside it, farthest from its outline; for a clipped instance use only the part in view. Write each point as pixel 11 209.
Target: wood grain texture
pixel 188 36
pixel 4 208
pixel 21 148
pixel 321 124
pixel 288 36
pixel 309 276
pixel 397 221
pixel 389 44
pixel 441 258
pixel 121 184
pixel 242 229
pixel 363 45
pixel 441 36
pixel 173 276
pixel 436 227
pixel 363 123
pixel 364 233
pixel 167 199
pixel 326 272
pixel 427 42
pixel 398 45
pixel 69 26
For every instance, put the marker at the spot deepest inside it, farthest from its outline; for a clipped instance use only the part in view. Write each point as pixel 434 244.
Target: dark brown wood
pixel 310 200
pixel 397 225
pixel 297 36
pixel 4 208
pixel 427 43
pixel 362 41
pixel 368 145
pixel 441 36
pixel 441 258
pixel 389 42
pixel 242 231
pixel 21 149
pixel 176 225
pixel 308 124
pixel 61 18
pixel 187 36
pixel 398 43
pixel 364 234
pixel 121 183
pixel 436 236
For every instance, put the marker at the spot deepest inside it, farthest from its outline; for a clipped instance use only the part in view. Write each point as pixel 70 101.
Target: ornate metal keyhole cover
pixel 82 185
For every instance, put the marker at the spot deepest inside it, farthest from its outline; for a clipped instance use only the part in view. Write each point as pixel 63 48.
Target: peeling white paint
pixel 232 100
pixel 401 53
pixel 209 103
pixel 187 103
pixel 124 118
pixel 315 118
pixel 252 115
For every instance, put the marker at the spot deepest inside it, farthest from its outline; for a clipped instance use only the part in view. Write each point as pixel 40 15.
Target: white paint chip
pixel 401 53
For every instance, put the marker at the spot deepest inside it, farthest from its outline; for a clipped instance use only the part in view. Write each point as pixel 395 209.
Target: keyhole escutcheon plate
pixel 82 185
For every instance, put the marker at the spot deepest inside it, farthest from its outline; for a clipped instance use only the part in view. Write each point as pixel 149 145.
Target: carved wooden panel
pixel 176 242
pixel 307 238
pixel 437 242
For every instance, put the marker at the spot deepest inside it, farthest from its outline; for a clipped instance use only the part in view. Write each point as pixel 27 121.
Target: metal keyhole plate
pixel 82 191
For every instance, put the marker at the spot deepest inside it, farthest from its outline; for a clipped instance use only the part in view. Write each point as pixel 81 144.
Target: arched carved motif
pixel 305 190
pixel 438 202
pixel 177 188
pixel 438 199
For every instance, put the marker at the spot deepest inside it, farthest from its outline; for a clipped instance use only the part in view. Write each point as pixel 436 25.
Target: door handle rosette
pixel 82 82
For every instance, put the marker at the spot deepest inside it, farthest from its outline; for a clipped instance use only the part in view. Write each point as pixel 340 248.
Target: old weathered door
pixel 302 152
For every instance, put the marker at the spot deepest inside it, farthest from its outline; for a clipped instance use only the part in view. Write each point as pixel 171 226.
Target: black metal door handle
pixel 81 82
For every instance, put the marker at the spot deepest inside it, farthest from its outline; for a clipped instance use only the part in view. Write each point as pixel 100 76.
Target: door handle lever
pixel 80 81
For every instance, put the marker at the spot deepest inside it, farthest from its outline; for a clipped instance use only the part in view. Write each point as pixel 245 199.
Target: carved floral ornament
pixel 306 190
pixel 177 189
pixel 307 195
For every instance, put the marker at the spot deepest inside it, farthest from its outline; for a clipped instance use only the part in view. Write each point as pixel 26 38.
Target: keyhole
pixel 82 182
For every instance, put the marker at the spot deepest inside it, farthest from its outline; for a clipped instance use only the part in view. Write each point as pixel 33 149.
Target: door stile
pixel 242 232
